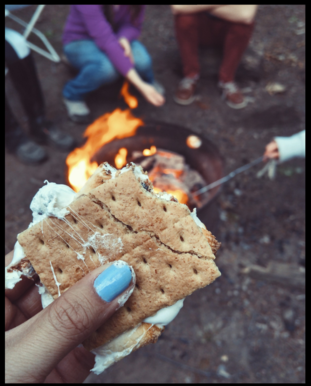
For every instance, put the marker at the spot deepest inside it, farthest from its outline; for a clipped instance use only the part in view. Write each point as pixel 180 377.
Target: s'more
pixel 117 216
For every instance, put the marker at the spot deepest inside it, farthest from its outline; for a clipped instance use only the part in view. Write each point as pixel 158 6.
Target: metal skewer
pixel 229 176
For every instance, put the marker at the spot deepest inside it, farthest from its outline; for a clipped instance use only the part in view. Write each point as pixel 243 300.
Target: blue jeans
pixel 96 69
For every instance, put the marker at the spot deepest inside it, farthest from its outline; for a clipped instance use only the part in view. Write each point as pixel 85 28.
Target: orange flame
pixel 116 125
pixel 120 158
pixel 129 99
pixel 110 126
pixel 147 152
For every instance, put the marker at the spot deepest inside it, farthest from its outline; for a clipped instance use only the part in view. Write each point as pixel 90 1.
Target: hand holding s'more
pixel 111 266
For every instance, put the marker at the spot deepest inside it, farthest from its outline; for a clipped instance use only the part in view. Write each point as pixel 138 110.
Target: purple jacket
pixel 87 22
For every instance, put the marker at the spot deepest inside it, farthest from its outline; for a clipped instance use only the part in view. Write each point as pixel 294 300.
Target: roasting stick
pixel 229 176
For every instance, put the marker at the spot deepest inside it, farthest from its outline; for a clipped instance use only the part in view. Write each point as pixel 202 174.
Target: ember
pixel 169 173
pixel 152 150
pixel 120 158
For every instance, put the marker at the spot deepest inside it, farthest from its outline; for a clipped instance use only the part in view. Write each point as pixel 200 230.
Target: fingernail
pixel 113 281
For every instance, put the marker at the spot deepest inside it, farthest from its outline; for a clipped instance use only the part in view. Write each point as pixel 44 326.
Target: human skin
pixel 41 345
pixel 125 44
pixel 235 13
pixel 272 151
pixel 147 90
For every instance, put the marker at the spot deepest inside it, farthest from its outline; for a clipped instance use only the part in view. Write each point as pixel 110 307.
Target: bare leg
pixel 236 13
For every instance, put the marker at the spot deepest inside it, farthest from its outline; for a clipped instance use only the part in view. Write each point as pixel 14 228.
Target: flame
pixel 152 151
pixel 116 125
pixel 129 99
pixel 120 158
pixel 110 126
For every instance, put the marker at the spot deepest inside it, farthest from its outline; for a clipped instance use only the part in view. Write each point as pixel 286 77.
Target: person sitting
pixel 227 26
pixel 22 71
pixel 101 42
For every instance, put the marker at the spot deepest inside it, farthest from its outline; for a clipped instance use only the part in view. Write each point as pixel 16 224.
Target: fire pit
pixel 177 161
pixel 205 159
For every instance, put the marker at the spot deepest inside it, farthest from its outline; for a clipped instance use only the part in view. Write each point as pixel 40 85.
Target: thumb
pixel 70 319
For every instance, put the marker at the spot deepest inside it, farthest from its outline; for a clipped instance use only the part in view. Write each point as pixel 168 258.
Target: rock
pixel 284 274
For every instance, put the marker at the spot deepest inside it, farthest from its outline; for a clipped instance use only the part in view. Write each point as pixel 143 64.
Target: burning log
pixel 169 172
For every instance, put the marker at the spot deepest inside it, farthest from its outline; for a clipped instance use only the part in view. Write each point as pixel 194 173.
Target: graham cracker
pixel 120 219
pixel 143 211
pixel 211 239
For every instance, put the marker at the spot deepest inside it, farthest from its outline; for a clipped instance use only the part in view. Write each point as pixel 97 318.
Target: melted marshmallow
pixel 138 171
pixel 46 297
pixel 196 219
pixel 106 355
pixel 51 200
pixel 166 196
pixel 164 316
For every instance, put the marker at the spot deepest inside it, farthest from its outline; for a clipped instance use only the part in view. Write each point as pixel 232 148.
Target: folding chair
pixel 51 54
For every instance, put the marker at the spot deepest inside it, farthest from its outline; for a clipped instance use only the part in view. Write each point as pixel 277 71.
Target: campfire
pixel 118 138
pixel 108 127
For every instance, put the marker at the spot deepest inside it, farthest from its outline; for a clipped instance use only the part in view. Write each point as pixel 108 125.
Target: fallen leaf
pixel 275 88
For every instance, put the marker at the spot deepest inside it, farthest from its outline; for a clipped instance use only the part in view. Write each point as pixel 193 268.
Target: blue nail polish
pixel 114 280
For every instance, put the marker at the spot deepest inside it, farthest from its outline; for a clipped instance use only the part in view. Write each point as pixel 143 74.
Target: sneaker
pixel 78 111
pixel 185 93
pixel 26 150
pixel 158 86
pixel 232 95
pixel 45 132
pixel 31 153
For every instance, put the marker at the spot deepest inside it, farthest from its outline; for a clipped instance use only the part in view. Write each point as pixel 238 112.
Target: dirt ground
pixel 239 329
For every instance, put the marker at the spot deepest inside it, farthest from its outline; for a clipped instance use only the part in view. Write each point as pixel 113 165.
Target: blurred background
pixel 249 325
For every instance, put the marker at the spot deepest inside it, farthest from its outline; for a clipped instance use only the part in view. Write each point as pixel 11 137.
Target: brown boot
pixel 185 93
pixel 232 95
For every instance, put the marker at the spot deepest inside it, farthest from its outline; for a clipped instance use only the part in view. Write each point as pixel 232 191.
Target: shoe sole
pixel 237 106
pixel 184 102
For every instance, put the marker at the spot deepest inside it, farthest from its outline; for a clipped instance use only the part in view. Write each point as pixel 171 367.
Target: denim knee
pixel 90 77
pixel 142 59
pixel 104 72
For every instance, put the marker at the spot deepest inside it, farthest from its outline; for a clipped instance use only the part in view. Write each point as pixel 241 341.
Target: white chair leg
pixel 33 20
pixel 52 54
